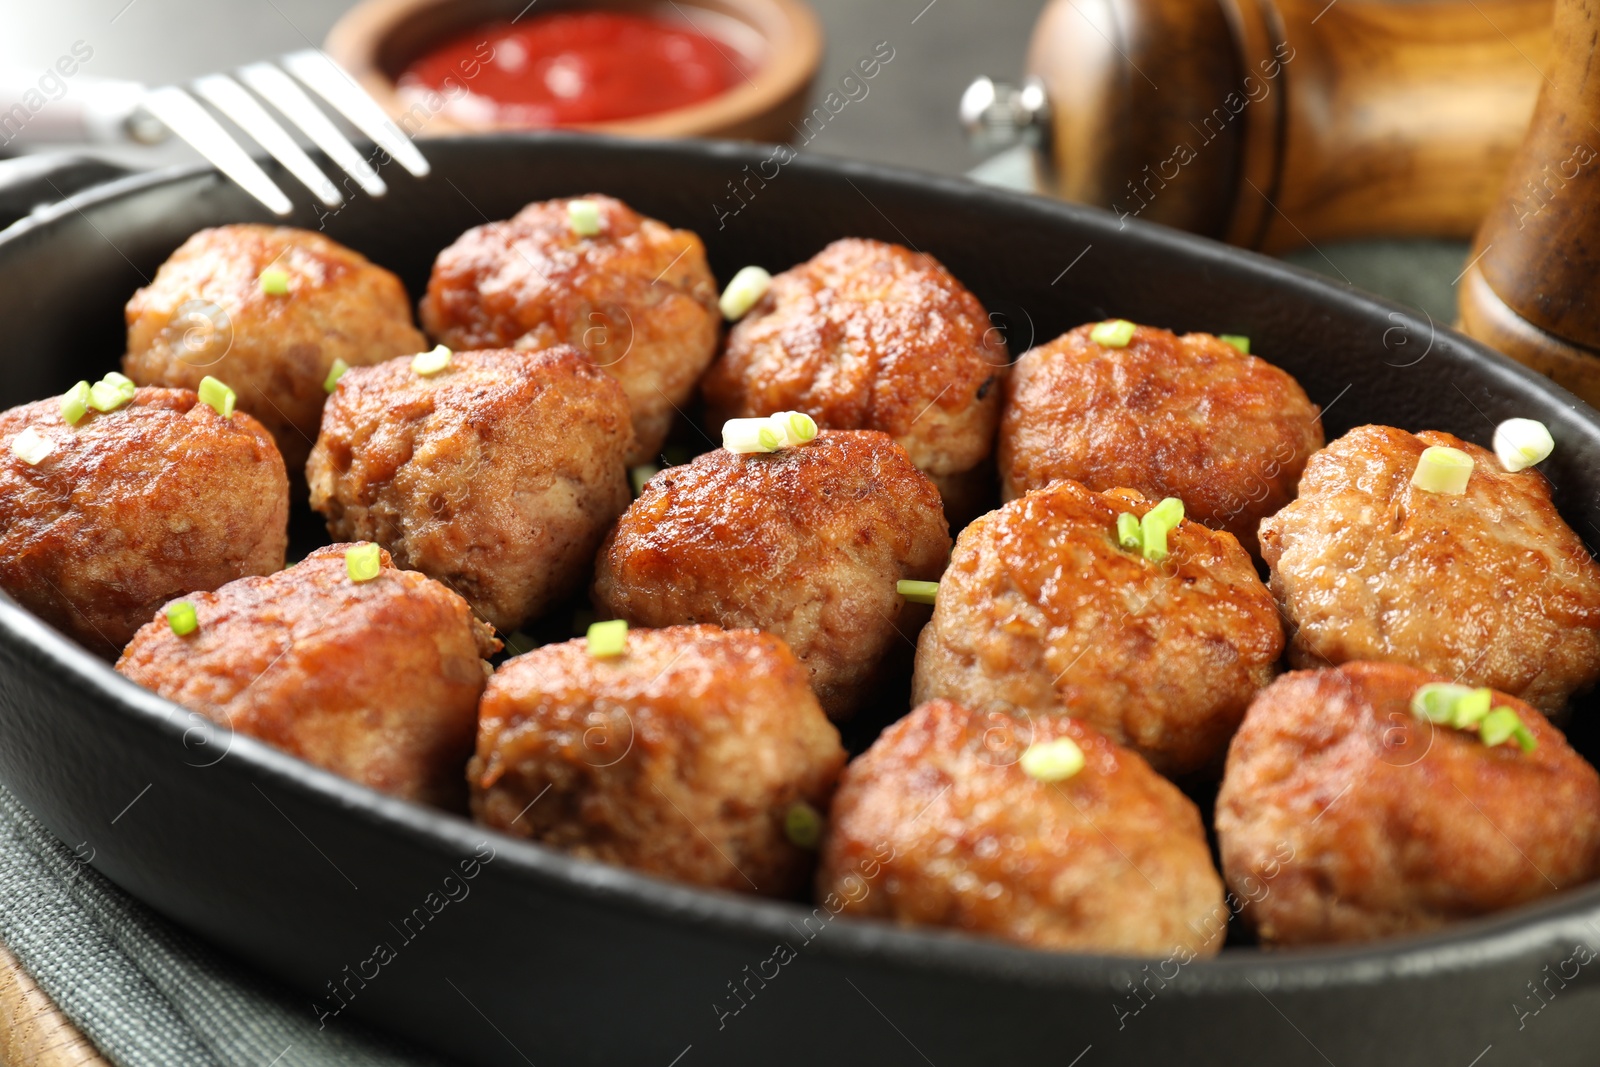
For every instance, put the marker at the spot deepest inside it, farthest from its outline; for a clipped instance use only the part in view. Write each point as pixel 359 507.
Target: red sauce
pixel 575 67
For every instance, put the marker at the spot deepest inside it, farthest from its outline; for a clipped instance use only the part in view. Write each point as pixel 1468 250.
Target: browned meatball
pixel 1490 587
pixel 498 475
pixel 682 757
pixel 1042 611
pixel 207 312
pixel 1345 817
pixel 134 507
pixel 806 543
pixel 637 299
pixel 377 681
pixel 871 336
pixel 1190 417
pixel 937 823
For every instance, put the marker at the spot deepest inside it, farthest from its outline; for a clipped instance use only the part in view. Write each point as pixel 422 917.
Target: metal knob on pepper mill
pixel 1276 123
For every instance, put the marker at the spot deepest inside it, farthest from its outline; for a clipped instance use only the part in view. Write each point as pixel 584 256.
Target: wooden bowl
pixel 778 43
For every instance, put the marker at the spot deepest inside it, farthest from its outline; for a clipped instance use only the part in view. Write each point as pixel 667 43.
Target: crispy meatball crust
pixel 134 507
pixel 1190 417
pixel 681 757
pixel 938 824
pixel 806 543
pixel 1490 587
pixel 206 313
pixel 1041 611
pixel 377 681
pixel 637 299
pixel 1343 817
pixel 498 476
pixel 872 336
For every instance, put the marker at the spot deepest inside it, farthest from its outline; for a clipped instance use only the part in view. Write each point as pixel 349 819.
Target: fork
pixel 107 111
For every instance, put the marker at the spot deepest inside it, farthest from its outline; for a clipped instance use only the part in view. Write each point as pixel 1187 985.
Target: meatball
pixel 806 543
pixel 1190 417
pixel 133 507
pixel 937 823
pixel 870 336
pixel 682 757
pixel 637 299
pixel 377 681
pixel 208 312
pixel 1490 587
pixel 1041 610
pixel 1344 817
pixel 498 475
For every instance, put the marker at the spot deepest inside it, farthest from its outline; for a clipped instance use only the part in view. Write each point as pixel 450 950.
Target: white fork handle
pixel 90 111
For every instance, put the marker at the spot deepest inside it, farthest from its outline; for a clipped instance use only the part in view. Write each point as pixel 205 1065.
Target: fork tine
pixel 318 70
pixel 280 90
pixel 183 115
pixel 229 97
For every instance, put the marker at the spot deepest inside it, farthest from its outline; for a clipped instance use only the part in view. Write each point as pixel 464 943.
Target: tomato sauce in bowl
pixel 574 68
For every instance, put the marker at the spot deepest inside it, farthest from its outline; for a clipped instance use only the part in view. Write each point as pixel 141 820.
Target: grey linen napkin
pixel 146 993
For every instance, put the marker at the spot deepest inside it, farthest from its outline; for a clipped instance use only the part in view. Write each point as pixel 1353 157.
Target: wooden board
pixel 33 1032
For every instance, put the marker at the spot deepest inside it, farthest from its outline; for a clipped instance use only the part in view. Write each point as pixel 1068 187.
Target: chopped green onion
pixel 608 638
pixel 1498 727
pixel 917 592
pixel 182 618
pixel 744 292
pixel 1053 761
pixel 1437 701
pixel 640 475
pixel 335 372
pixel 750 435
pixel 1128 535
pixel 1169 512
pixel 275 281
pixel 363 562
pixel 1238 341
pixel 802 825
pixel 110 392
pixel 1443 470
pixel 1520 443
pixel 1471 708
pixel 584 217
pixel 31 446
pixel 121 382
pixel 432 361
pixel 1156 524
pixel 1115 333
pixel 794 427
pixel 75 403
pixel 217 396
pixel 1524 737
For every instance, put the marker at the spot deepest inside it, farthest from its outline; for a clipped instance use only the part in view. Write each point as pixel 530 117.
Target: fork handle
pixel 89 111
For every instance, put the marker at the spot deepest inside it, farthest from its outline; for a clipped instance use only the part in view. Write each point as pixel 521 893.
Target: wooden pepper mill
pixel 1276 123
pixel 1530 289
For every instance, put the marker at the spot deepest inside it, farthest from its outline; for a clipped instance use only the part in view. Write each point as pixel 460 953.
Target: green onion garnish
pixel 335 372
pixel 182 618
pixel 1156 524
pixel 75 403
pixel 607 639
pixel 744 292
pixel 110 392
pixel 363 562
pixel 917 592
pixel 1053 761
pixel 1128 535
pixel 794 427
pixel 1498 726
pixel 31 447
pixel 584 217
pixel 750 435
pixel 1524 737
pixel 217 396
pixel 275 281
pixel 432 361
pixel 1238 341
pixel 1442 470
pixel 640 475
pixel 1520 443
pixel 802 825
pixel 1471 708
pixel 1115 333
pixel 1436 701
pixel 1462 707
